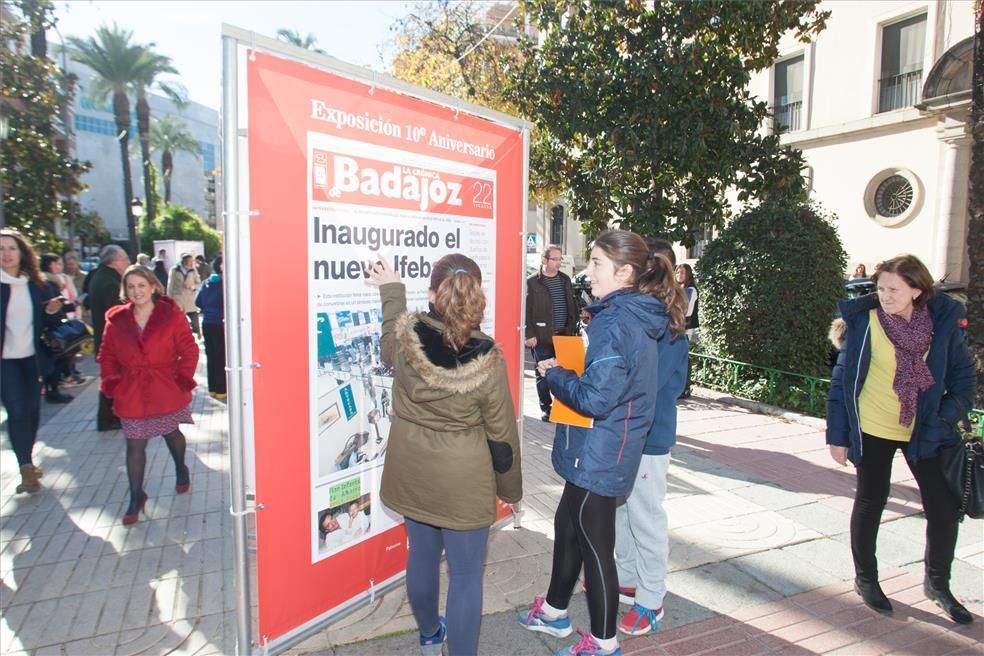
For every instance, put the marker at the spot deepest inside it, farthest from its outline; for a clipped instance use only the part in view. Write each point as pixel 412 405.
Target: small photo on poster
pixel 353 423
pixel 346 522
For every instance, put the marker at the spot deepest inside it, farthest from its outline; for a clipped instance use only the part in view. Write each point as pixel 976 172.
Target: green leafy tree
pixel 179 222
pixel 645 110
pixel 91 230
pixel 169 135
pixel 769 287
pixel 36 169
pixel 294 38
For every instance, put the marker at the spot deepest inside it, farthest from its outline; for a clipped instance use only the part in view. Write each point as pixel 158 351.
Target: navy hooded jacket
pixel 616 390
pixel 938 409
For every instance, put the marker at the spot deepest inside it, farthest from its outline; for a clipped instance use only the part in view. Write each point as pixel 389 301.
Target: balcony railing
pixel 788 117
pixel 899 91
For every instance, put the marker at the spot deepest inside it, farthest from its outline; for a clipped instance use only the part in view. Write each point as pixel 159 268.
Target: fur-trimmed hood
pixel 439 366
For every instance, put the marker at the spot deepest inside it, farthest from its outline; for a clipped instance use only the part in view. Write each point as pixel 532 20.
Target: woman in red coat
pixel 148 358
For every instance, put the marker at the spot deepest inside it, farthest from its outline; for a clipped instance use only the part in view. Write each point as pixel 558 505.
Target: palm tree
pixel 150 66
pixel 293 37
pixel 168 135
pixel 117 63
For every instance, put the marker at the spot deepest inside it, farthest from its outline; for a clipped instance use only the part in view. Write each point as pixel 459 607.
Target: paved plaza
pixel 759 559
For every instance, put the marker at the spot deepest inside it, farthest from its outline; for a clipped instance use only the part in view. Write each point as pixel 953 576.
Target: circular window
pixel 893 197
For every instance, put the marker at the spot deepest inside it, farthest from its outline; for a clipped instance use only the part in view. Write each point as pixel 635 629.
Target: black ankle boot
pixel 944 599
pixel 872 595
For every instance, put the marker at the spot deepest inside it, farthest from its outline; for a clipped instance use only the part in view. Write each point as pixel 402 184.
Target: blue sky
pixel 189 32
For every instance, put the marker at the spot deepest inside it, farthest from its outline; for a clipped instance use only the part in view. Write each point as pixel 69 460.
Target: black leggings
pixel 584 533
pixel 940 506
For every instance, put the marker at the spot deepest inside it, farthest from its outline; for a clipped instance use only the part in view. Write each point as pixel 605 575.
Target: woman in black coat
pixel 27 306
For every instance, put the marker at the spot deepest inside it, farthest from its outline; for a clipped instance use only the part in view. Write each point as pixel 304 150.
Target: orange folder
pixel 570 355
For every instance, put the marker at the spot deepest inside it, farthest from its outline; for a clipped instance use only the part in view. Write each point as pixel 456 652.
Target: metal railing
pixel 788 117
pixel 899 91
pixel 786 389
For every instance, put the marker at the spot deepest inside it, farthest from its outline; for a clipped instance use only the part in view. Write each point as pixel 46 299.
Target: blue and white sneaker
pixel 431 646
pixel 534 619
pixel 586 646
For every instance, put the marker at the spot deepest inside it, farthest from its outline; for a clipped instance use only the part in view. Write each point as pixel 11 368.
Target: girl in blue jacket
pixel 600 463
pixel 903 380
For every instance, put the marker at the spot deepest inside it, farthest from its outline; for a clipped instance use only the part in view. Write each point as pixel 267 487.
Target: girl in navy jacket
pixel 600 463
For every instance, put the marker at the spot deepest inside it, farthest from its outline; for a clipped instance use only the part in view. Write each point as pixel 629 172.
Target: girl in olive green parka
pixel 453 446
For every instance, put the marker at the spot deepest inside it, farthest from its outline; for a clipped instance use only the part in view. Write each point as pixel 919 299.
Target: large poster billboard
pixel 339 167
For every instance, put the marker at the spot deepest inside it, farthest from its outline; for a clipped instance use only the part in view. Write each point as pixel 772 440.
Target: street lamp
pixel 137 210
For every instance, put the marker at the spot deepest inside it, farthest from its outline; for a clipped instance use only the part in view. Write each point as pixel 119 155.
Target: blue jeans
pixel 466 562
pixel 21 396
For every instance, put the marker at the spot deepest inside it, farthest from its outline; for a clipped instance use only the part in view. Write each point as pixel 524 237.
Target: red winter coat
pixel 148 374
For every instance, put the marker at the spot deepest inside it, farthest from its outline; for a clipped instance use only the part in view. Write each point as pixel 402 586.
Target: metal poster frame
pixel 237 46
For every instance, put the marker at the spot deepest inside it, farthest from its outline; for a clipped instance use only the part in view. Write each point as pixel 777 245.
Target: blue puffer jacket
pixel 616 390
pixel 670 380
pixel 939 408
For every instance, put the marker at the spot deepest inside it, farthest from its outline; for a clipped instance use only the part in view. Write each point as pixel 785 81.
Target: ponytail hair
pixel 660 281
pixel 458 297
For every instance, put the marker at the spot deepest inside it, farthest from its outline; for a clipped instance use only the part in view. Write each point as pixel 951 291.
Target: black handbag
pixel 963 469
pixel 66 337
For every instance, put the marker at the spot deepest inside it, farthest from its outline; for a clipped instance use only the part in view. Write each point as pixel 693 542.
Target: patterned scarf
pixel 911 340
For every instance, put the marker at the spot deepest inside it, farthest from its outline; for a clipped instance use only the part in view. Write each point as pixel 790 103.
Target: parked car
pixel 89 263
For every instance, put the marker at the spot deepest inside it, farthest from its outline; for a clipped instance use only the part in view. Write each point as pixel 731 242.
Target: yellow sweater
pixel 879 405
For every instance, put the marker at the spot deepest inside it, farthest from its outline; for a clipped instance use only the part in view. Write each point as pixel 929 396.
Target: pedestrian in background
pixel 182 286
pixel 103 294
pixel 551 309
pixel 52 272
pixel 599 463
pixel 147 364
pixel 904 379
pixel 74 271
pixel 27 305
pixel 859 272
pixel 202 267
pixel 211 302
pixel 642 545
pixel 160 270
pixel 453 444
pixel 685 276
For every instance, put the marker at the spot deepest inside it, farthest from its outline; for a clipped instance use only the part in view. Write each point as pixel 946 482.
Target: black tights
pixel 939 505
pixel 136 461
pixel 584 533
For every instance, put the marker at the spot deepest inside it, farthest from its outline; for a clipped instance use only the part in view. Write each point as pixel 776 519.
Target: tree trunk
pixel 167 167
pixel 121 112
pixel 143 127
pixel 975 208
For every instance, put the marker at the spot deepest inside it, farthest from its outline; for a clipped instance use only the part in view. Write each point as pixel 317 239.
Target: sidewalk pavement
pixel 759 560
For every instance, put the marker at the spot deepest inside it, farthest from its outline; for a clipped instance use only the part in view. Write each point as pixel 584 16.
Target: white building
pixel 95 140
pixel 879 104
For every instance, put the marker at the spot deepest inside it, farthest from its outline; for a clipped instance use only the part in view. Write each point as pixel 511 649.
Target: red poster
pixel 340 169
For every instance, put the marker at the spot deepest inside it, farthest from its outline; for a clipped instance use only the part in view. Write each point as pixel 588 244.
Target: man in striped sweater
pixel 550 310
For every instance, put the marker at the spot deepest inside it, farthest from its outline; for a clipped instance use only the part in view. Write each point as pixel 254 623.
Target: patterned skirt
pixel 144 429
